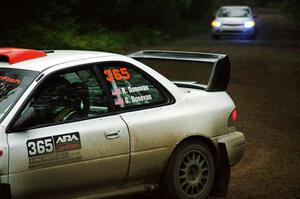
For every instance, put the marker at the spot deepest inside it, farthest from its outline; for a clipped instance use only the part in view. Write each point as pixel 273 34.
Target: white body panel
pixel 100 162
pixel 155 132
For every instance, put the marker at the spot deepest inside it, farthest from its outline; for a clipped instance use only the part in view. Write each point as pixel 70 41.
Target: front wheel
pixel 191 172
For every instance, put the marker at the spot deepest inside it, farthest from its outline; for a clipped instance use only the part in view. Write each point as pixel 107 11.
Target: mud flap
pixel 5 192
pixel 221 185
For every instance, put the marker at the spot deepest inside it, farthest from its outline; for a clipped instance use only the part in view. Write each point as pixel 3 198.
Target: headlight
pixel 249 24
pixel 215 23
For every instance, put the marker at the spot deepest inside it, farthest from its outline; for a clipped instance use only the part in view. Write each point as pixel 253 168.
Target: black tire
pixel 190 173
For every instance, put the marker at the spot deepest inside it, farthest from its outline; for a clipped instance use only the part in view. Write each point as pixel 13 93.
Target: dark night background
pixel 110 25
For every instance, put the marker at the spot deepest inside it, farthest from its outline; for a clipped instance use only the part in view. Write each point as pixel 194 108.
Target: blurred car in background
pixel 234 21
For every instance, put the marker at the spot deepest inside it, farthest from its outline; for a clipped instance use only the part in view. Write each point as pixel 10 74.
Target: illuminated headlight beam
pixel 249 24
pixel 215 23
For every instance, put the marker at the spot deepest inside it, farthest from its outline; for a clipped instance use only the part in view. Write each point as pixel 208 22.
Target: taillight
pixel 234 115
pixel 232 118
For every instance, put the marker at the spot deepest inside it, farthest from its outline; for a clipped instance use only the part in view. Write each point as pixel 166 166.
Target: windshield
pixel 13 83
pixel 234 12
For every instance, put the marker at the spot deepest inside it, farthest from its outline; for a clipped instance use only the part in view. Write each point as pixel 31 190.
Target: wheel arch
pixel 220 157
pixel 201 139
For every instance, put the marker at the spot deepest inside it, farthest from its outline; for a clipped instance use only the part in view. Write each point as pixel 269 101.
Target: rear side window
pixel 131 88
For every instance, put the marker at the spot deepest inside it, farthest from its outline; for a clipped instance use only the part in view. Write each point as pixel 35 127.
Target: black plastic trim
pixel 222 177
pixel 189 86
pixel 48 51
pixel 103 85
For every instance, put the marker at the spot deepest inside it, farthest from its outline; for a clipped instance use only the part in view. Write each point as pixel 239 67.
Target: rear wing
pixel 219 77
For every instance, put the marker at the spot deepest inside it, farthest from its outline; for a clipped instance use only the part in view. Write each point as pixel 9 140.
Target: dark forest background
pixel 110 25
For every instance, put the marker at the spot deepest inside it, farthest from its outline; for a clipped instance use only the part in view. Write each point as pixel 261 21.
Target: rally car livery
pixel 95 124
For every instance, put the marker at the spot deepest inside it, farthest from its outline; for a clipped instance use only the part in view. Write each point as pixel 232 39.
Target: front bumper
pixel 233 30
pixel 235 144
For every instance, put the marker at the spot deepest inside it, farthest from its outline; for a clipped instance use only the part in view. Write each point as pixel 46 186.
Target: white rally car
pixel 95 124
pixel 234 21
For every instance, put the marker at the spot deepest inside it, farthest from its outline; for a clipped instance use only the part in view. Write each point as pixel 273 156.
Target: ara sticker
pixel 54 150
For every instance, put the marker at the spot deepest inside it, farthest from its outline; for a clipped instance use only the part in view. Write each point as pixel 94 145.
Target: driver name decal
pixel 54 150
pixel 131 94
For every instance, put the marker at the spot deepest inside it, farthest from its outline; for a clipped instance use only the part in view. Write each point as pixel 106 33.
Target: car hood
pixel 233 20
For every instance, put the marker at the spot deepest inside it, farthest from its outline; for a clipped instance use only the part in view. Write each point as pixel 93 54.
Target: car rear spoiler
pixel 219 77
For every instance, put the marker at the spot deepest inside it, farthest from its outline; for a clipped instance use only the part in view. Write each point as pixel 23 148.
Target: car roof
pixel 54 58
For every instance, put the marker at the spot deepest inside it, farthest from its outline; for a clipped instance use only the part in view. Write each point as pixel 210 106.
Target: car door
pixel 144 104
pixel 66 140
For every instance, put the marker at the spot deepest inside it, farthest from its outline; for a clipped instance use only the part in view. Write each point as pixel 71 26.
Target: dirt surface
pixel 264 84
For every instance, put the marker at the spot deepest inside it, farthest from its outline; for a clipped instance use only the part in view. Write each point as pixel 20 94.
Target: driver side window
pixel 64 97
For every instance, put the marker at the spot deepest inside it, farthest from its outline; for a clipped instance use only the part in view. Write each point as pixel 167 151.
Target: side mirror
pixel 255 16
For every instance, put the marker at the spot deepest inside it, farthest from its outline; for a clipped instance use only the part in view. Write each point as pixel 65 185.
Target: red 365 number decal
pixel 116 74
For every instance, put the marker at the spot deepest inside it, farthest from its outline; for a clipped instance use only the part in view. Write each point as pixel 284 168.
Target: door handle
pixel 112 134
